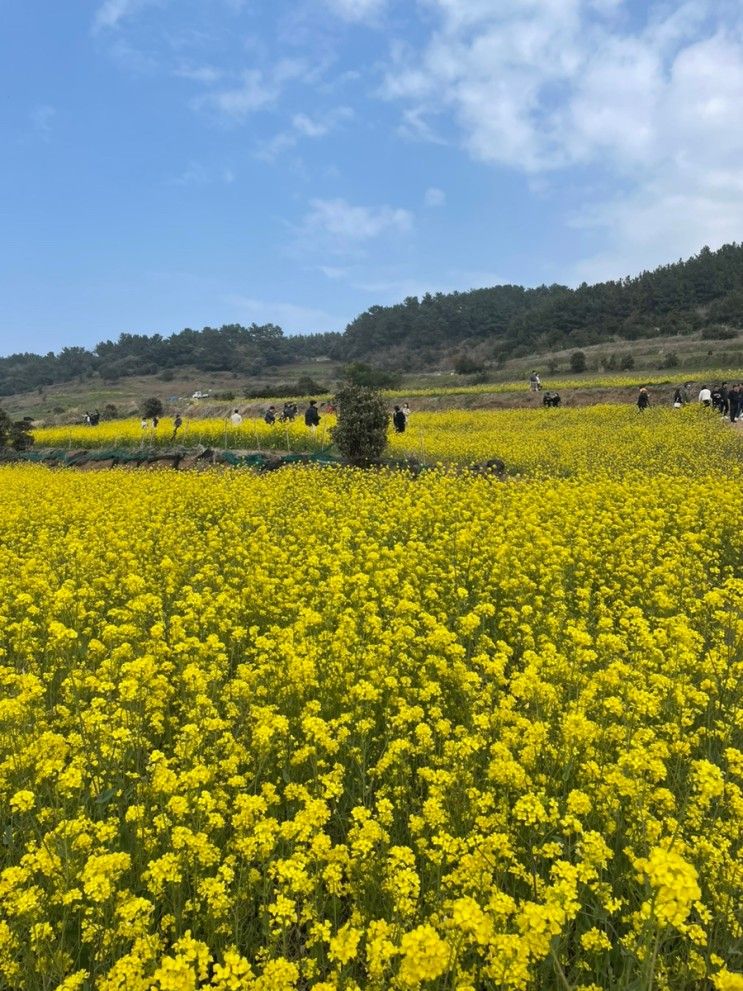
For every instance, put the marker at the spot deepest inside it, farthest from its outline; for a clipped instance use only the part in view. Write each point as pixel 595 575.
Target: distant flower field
pixel 357 731
pixel 589 380
pixel 565 441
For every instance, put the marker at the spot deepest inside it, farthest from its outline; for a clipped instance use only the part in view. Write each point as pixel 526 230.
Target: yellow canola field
pixel 599 439
pixel 590 380
pixel 342 730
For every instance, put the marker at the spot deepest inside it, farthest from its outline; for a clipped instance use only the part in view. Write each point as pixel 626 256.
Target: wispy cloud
pixel 542 87
pixel 208 75
pixel 42 121
pixel 347 223
pixel 256 89
pixel 357 10
pixel 197 174
pixel 111 12
pixel 303 126
pixel 333 272
pixel 434 197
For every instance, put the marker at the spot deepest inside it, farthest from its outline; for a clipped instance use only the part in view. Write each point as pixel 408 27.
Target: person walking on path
pixel 399 420
pixel 270 415
pixel 705 396
pixel 534 383
pixel 643 400
pixel 235 418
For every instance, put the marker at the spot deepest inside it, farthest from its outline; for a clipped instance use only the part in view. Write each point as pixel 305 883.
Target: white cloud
pixel 653 108
pixel 112 12
pixel 206 74
pixel 256 89
pixel 197 174
pixel 357 10
pixel 346 223
pixel 310 128
pixel 302 126
pixel 253 92
pixel 42 119
pixel 434 197
pixel 333 272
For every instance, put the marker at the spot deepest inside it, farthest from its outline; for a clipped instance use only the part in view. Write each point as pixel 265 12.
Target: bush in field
pixel 152 407
pixel 361 432
pixel 307 386
pixel 15 434
pixel 372 378
pixel 465 365
pixel 577 361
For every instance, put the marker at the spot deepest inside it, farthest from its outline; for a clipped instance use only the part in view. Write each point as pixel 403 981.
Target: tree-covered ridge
pixel 674 299
pixel 234 348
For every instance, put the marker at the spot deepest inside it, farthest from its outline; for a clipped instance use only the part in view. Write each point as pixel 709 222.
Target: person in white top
pixel 236 419
pixel 705 396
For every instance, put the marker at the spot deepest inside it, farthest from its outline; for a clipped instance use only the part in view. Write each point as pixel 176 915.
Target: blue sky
pixel 173 163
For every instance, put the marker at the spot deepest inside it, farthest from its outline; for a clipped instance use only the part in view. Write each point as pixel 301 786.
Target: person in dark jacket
pixel 643 400
pixel 311 415
pixel 270 415
pixel 399 420
pixel 735 402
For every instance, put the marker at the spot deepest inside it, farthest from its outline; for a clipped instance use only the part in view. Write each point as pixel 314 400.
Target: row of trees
pixel 233 348
pixel 703 293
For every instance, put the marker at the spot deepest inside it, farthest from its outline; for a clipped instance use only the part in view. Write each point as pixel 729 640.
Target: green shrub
pixel 361 432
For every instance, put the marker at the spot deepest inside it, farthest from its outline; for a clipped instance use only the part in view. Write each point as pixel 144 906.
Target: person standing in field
pixel 678 399
pixel 311 416
pixel 177 424
pixel 534 383
pixel 735 402
pixel 406 410
pixel 643 400
pixel 399 420
pixel 705 396
pixel 236 419
pixel 270 415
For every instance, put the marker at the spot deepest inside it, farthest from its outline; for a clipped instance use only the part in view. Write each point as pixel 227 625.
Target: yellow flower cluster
pixel 356 731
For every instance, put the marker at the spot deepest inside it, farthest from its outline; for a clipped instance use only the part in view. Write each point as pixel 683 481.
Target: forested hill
pixel 504 321
pixel 675 299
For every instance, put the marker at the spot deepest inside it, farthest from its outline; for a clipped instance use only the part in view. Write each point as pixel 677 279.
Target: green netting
pixel 257 460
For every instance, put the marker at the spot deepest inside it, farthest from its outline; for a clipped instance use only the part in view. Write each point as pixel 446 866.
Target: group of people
pixel 152 424
pixel 290 411
pixel 724 399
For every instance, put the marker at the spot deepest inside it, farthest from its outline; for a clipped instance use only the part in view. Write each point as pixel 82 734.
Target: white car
pixel 200 395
